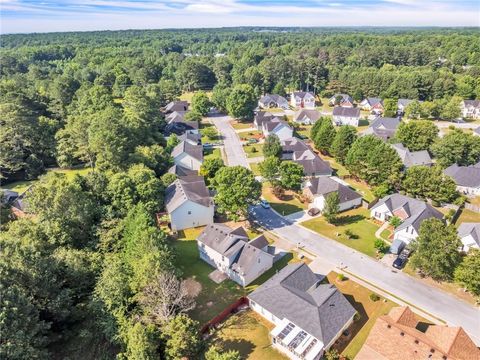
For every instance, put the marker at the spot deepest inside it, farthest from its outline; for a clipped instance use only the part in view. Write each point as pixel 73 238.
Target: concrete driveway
pixel 431 300
pixel 233 146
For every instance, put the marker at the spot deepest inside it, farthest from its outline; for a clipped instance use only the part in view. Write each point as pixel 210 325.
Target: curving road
pixel 233 146
pixel 431 300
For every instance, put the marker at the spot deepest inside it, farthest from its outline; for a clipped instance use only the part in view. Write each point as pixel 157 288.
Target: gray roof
pixel 195 139
pixel 263 116
pixel 188 188
pixel 384 128
pixel 326 185
pixel 477 130
pixel 293 144
pixel 279 100
pixel 195 151
pixel 302 94
pixel 9 196
pixel 175 116
pixel 412 158
pixel 468 176
pixel 181 171
pixel 345 97
pixel 296 150
pixel 271 124
pixel 346 111
pixel 228 241
pixel 473 229
pixel 416 210
pixel 312 115
pixel 176 106
pixel 473 103
pixel 373 101
pixel 404 102
pixel 295 293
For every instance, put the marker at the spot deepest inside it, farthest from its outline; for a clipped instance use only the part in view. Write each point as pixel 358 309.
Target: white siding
pixel 380 212
pixel 283 132
pixel 264 262
pixel 407 234
pixel 469 190
pixel 191 214
pixel 468 243
pixel 346 120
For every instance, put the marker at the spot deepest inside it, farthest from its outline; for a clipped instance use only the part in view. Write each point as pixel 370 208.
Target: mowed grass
pixel 289 204
pixel 187 96
pixel 467 216
pixel 21 186
pixel 368 310
pixel 255 169
pixel 253 150
pixel 212 153
pixel 213 298
pixel 240 125
pixel 248 333
pixel 357 221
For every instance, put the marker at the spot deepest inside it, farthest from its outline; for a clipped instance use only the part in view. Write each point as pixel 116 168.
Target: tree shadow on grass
pixel 244 347
pixel 348 219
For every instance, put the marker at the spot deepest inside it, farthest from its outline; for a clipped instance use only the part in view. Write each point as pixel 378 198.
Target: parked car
pixel 313 211
pixel 252 141
pixel 207 146
pixel 264 204
pixel 401 260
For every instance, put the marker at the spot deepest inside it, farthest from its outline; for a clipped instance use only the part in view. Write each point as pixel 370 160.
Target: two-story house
pixel 297 151
pixel 273 101
pixel 343 100
pixel 278 127
pixel 302 99
pixel 346 116
pixel 467 178
pixel 374 105
pixel 231 252
pixel 187 155
pixel 470 109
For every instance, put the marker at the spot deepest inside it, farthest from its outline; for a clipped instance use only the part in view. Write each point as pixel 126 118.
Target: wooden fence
pixel 229 310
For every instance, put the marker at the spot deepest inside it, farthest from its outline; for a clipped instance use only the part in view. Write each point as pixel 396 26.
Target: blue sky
pixel 67 15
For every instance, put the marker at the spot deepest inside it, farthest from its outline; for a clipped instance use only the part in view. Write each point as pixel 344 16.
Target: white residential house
pixel 176 124
pixel 261 117
pixel 277 127
pixel 411 212
pixel 273 101
pixel 308 316
pixel 306 116
pixel 470 109
pixel 374 105
pixel 317 189
pixel 469 234
pixel 467 178
pixel 346 116
pixel 345 100
pixel 301 99
pixel 231 252
pixel 188 203
pixel 187 155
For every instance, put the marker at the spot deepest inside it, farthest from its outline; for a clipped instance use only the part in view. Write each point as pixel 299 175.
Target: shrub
pixel 374 297
pixel 395 221
pixel 381 246
pixel 254 150
pixel 357 316
pixel 350 234
pixel 340 277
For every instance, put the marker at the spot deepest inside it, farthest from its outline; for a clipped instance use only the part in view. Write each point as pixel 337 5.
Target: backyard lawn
pixel 212 298
pixel 255 168
pixel 467 216
pixel 238 125
pixel 247 332
pixel 21 186
pixel 369 311
pixel 205 139
pixel 356 221
pixel 253 150
pixel 361 188
pixel 212 153
pixel 187 96
pixel 288 205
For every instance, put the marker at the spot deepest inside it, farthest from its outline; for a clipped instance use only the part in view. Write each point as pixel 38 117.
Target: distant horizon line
pixel 402 27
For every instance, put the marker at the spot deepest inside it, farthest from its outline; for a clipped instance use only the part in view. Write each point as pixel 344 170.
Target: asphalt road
pixel 233 146
pixel 431 300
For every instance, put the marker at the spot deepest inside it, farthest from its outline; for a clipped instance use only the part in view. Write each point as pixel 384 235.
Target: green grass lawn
pixel 213 298
pixel 369 311
pixel 248 333
pixel 204 125
pixel 356 221
pixel 251 153
pixel 361 188
pixel 475 201
pixel 288 205
pixel 187 96
pixel 304 131
pixel 242 125
pixel 340 170
pixel 255 168
pixel 212 153
pixel 467 216
pixel 21 186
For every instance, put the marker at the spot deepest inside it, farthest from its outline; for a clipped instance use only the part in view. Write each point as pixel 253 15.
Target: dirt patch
pixel 193 287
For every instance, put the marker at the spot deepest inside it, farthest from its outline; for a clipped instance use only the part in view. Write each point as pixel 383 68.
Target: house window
pixel 189 212
pixel 411 230
pixel 259 261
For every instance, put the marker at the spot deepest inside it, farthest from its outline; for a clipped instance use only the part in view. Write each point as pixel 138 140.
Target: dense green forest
pixel 83 277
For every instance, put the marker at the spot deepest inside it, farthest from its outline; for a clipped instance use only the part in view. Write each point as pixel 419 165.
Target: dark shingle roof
pixel 181 171
pixel 295 293
pixel 221 238
pixel 259 242
pixel 468 176
pixel 383 128
pixel 302 94
pixel 195 151
pixel 345 97
pixel 176 106
pixel 417 210
pixel 346 111
pixel 279 100
pixel 188 188
pixel 312 115
pixel 325 186
pixel 412 158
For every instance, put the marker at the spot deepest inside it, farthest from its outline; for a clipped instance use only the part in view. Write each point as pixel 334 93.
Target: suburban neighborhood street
pixel 435 302
pixel 233 146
